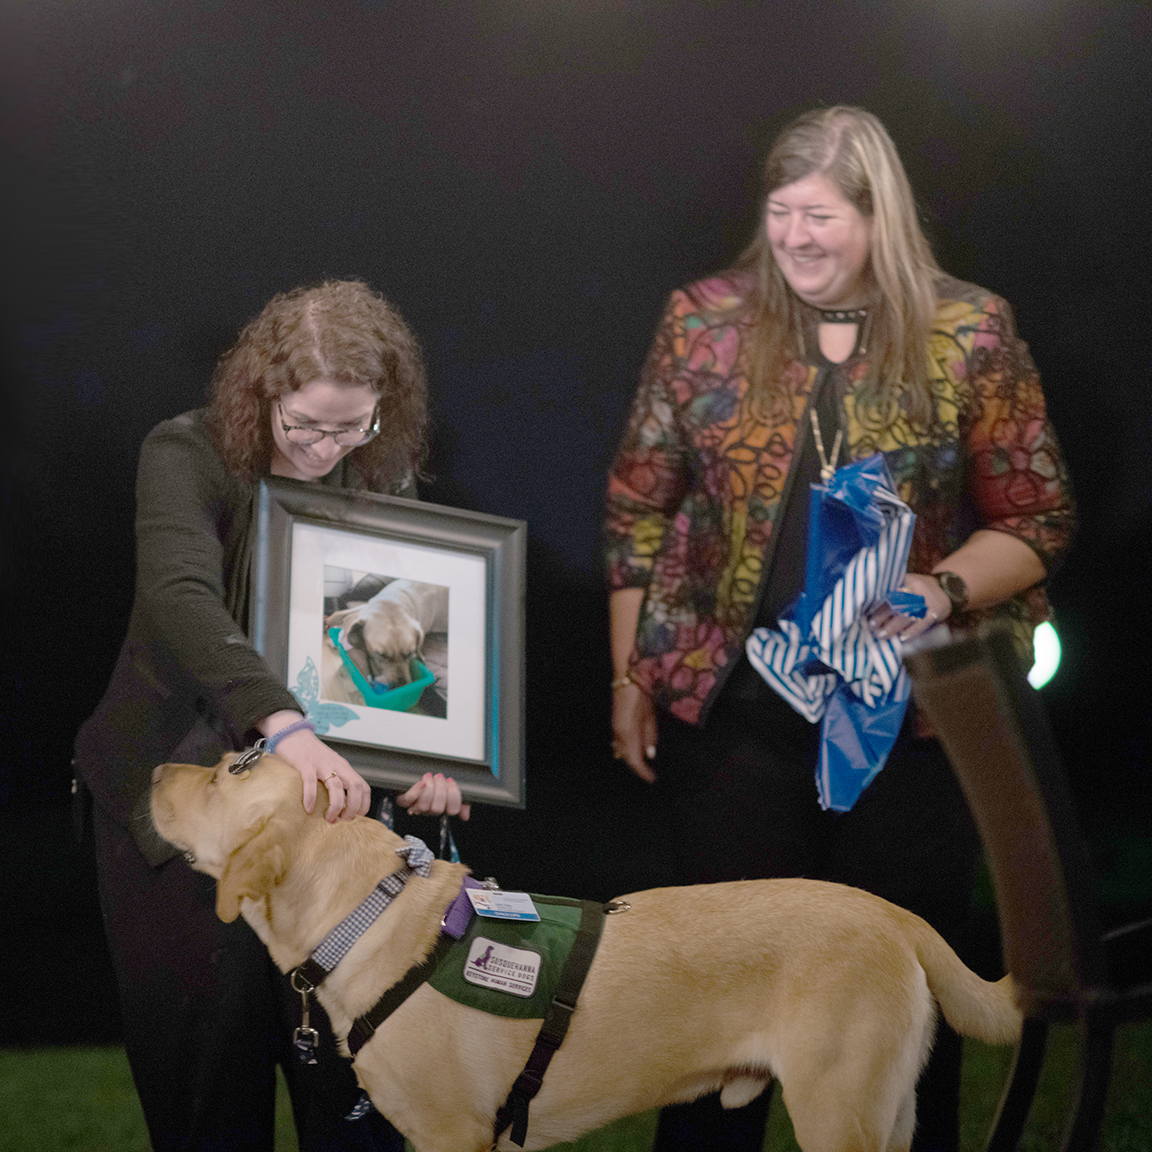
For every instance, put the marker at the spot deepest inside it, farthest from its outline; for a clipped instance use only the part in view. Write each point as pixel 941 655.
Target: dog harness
pixel 567 934
pixel 336 945
pixel 477 961
pixel 307 977
pixel 514 1110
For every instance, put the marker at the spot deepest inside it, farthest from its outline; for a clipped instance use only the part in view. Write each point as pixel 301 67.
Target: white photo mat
pixel 461 735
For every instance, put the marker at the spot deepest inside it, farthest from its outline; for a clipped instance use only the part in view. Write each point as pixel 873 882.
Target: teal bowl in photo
pixel 397 699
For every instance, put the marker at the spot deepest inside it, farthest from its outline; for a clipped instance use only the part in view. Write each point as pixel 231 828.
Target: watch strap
pixel 954 588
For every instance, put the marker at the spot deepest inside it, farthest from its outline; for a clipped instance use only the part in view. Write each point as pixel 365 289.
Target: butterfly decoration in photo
pixel 824 659
pixel 323 713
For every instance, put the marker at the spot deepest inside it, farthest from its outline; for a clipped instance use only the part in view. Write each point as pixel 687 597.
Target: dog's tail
pixel 984 1009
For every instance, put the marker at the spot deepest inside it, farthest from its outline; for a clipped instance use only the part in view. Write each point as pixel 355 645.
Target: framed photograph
pixel 399 626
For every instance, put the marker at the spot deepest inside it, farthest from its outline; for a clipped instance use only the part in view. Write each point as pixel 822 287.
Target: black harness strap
pixel 514 1111
pixel 365 1026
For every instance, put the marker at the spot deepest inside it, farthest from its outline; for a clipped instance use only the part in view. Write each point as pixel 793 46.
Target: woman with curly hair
pixel 836 337
pixel 326 386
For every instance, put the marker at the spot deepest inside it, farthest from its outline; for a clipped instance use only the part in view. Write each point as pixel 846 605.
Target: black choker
pixel 843 315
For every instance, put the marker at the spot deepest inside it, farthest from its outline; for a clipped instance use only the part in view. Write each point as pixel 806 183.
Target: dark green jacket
pixel 187 685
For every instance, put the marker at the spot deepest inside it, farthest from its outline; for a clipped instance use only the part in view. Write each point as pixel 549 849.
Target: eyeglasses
pixel 345 437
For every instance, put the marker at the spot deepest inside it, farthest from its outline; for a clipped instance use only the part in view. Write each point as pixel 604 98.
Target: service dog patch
pixel 518 977
pixel 503 969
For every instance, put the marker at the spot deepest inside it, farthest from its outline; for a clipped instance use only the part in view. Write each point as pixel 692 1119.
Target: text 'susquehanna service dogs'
pixel 826 988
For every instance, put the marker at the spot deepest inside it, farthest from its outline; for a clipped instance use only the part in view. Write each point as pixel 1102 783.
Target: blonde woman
pixel 836 336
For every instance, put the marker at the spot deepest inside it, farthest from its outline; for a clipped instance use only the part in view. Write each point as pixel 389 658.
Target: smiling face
pixel 321 404
pixel 821 242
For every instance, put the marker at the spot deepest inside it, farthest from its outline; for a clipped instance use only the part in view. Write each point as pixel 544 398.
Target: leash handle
pixel 447 841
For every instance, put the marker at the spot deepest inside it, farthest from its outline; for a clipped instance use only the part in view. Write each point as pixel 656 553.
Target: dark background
pixel 527 180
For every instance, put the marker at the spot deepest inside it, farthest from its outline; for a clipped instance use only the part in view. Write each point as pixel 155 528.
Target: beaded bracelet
pixel 273 740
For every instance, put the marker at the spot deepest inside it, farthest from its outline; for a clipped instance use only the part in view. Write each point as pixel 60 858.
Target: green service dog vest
pixel 511 967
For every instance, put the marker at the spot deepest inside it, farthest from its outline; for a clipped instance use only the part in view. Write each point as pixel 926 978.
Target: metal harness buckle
pixel 247 758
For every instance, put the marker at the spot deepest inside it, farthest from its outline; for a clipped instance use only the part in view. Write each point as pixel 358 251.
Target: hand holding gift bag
pixel 825 659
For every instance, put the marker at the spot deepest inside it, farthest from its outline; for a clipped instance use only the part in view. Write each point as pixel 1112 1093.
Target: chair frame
pixel 994 729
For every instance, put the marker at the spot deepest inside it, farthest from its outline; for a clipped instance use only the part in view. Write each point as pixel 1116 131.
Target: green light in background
pixel 1047 645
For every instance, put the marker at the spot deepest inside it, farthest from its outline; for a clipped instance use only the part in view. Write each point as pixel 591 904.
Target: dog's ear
pixel 253 869
pixel 336 620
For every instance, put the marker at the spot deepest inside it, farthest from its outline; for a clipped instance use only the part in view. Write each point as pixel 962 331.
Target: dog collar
pixel 336 945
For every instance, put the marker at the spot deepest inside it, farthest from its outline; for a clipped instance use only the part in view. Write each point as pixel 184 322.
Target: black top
pixel 783 579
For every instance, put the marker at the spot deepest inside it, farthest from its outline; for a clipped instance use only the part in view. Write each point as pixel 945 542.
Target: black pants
pixel 742 796
pixel 207 1017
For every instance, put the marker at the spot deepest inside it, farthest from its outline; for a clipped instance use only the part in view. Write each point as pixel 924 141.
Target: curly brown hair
pixel 340 331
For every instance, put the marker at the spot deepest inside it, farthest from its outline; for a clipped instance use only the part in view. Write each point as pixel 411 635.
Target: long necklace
pixel 827 464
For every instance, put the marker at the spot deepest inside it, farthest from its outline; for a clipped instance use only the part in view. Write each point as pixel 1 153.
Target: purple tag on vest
pixel 460 913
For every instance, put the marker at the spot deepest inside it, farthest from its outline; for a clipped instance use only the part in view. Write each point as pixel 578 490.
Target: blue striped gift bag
pixel 824 658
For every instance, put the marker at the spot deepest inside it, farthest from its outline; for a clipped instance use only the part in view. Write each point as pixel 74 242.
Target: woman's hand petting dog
pixel 348 792
pixel 434 796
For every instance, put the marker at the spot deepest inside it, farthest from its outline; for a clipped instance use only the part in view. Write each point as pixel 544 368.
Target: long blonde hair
pixel 852 149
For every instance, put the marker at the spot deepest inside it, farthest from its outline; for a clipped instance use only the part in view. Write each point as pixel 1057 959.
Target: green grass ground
pixel 58 1099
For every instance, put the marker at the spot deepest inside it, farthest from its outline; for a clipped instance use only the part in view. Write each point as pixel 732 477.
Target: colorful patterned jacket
pixel 699 480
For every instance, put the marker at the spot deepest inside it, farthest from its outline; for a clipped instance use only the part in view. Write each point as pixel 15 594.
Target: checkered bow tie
pixel 417 855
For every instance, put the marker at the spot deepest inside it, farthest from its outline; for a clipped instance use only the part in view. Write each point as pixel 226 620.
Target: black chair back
pixel 994 729
pixel 992 724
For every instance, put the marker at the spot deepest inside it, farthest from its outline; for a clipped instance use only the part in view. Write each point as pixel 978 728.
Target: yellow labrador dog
pixel 714 987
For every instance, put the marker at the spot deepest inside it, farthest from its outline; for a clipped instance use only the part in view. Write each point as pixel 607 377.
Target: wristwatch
pixel 954 588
